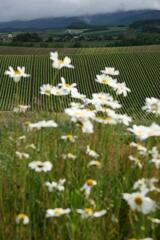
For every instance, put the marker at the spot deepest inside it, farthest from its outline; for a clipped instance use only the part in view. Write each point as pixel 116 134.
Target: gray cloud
pixel 32 9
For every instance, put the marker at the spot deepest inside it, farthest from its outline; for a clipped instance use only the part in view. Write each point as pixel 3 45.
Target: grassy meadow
pixel 23 190
pixel 96 167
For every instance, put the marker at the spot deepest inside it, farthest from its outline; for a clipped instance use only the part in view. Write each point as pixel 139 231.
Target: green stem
pixel 54 82
pixel 17 95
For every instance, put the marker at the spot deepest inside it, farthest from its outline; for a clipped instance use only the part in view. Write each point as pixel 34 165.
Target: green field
pixel 139 68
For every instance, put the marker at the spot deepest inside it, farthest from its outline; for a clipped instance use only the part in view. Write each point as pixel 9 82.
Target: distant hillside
pixel 109 19
pixel 147 25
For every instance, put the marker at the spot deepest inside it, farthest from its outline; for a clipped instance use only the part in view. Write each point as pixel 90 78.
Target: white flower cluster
pixel 85 213
pixel 62 89
pixel 105 78
pixel 152 105
pixel 101 102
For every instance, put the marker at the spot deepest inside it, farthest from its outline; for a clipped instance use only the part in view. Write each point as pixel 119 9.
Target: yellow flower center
pixel 154 107
pixel 27 122
pixel 104 81
pixel 138 200
pixel 90 182
pixel 69 136
pixel 60 61
pixel 88 210
pixel 108 119
pixel 21 216
pixel 88 110
pixel 17 72
pixel 97 163
pixel 67 85
pixel 58 211
pixel 58 92
pixel 100 97
pixel 110 71
pixel 47 92
pixel 105 119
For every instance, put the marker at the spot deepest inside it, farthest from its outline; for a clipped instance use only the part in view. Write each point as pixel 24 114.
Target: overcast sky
pixel 32 9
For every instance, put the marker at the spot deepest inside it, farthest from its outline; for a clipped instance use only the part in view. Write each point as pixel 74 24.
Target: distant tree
pixel 43 44
pixel 50 39
pixel 77 44
pixel 27 37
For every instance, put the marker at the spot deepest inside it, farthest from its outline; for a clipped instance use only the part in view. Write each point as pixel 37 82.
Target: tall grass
pixel 23 190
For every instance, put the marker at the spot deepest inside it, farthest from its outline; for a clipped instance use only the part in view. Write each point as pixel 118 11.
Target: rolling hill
pixel 108 19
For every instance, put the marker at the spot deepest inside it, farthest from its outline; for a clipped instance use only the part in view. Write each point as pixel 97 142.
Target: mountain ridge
pixel 109 19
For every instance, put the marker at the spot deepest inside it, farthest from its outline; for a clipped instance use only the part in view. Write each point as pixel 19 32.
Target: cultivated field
pixel 139 68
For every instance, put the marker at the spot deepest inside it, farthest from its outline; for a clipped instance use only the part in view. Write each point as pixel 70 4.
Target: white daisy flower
pixel 69 138
pixel 16 74
pixel 124 119
pixel 22 218
pixel 46 89
pixel 105 99
pixel 56 185
pixel 77 105
pixel 119 118
pixel 60 63
pixel 32 146
pixel 78 114
pixel 141 238
pixel 87 126
pixel 42 124
pixel 121 89
pixel 141 149
pixel 154 220
pixel 87 187
pixel 106 80
pixel 146 185
pixel 136 161
pixel 57 212
pixel 143 132
pixel 22 155
pixel 69 156
pixel 21 108
pixel 138 201
pixel 21 138
pixel 155 157
pixel 57 91
pixel 91 152
pixel 67 86
pixel 39 166
pixel 89 212
pixel 94 164
pixel 110 71
pixel 152 105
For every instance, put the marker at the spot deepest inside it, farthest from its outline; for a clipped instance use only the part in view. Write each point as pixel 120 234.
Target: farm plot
pixel 140 71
